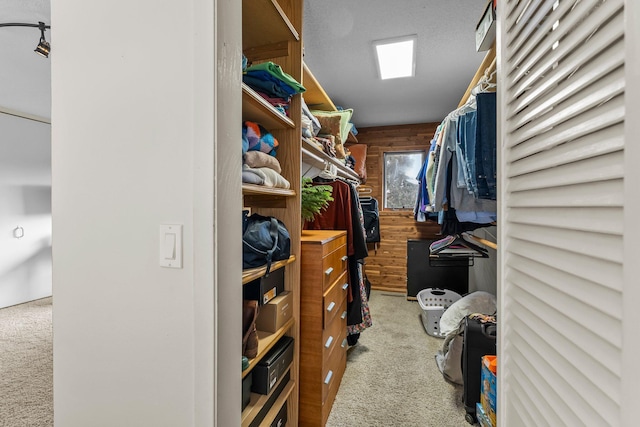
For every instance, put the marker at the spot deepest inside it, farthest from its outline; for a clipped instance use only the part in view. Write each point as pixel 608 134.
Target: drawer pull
pixel 328 271
pixel 344 314
pixel 328 343
pixel 345 286
pixel 344 258
pixel 344 343
pixel 331 305
pixel 327 379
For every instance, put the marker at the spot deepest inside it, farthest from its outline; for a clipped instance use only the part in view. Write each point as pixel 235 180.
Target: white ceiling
pixel 337 36
pixel 25 77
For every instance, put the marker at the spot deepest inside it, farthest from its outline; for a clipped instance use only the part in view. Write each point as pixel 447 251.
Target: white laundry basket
pixel 433 303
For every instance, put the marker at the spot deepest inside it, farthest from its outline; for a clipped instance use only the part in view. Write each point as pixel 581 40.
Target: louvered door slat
pixel 604 220
pixel 588 72
pixel 601 168
pixel 595 94
pixel 519 53
pixel 601 117
pixel 590 293
pixel 603 246
pixel 548 53
pixel 533 22
pixel 598 143
pixel 562 181
pixel 605 273
pixel 603 193
pixel 544 55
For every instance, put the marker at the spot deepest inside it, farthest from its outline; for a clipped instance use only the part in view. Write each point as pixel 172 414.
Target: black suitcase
pixel 479 340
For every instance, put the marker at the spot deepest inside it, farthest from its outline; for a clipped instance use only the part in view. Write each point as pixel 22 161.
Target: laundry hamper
pixel 433 303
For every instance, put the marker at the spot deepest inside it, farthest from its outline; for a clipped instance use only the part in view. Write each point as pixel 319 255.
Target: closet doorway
pixel 26 354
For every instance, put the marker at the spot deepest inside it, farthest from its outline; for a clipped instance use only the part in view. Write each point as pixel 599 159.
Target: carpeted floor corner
pixel 26 365
pixel 392 378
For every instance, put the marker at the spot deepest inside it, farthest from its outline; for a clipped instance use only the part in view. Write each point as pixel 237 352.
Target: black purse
pixel 264 239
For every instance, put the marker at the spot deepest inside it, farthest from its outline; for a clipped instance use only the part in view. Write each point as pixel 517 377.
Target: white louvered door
pixel 561 164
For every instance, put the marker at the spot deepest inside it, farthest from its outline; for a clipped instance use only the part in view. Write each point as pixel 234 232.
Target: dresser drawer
pixel 332 299
pixel 334 335
pixel 333 265
pixel 332 374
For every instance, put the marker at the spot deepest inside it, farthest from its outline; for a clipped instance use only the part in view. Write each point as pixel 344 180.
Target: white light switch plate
pixel 171 245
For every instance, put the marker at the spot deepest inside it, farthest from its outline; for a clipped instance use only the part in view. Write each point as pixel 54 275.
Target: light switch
pixel 171 245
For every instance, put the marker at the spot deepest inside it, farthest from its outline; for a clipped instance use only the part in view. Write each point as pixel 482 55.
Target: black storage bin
pixel 281 418
pixel 265 288
pixel 272 366
pixel 246 390
pixel 446 273
pixel 270 401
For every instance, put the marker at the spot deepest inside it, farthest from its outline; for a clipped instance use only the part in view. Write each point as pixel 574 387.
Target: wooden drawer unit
pixel 334 334
pixel 333 297
pixel 333 265
pixel 323 322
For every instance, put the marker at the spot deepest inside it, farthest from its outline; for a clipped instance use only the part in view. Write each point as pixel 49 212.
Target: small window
pixel 400 184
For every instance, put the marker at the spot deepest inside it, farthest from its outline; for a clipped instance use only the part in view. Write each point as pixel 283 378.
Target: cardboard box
pixel 488 387
pixel 482 418
pixel 265 288
pixel 486 29
pixel 272 366
pixel 273 315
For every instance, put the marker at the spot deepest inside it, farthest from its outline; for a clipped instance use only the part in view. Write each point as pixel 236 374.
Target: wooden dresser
pixel 323 322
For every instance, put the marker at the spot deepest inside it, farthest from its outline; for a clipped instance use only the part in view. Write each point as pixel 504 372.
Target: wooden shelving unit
pixel 271 31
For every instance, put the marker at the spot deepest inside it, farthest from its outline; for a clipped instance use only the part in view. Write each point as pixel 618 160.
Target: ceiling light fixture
pixel 396 57
pixel 43 47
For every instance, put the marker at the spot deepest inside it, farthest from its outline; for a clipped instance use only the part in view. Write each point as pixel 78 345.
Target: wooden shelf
pixel 264 23
pixel 261 190
pixel 258 401
pixel 256 109
pixel 316 158
pixel 250 274
pixel 316 98
pixel 266 340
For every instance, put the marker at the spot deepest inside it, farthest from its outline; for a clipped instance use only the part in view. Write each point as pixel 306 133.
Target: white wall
pixel 25 192
pixel 132 126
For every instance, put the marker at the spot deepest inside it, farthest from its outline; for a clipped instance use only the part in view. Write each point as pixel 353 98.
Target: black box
pixel 447 273
pixel 281 418
pixel 265 288
pixel 246 390
pixel 272 366
pixel 271 400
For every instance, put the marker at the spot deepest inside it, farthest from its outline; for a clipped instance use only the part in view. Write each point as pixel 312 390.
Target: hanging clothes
pixel 459 174
pixel 345 213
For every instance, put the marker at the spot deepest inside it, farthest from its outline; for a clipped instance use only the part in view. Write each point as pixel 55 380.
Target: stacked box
pixel 482 418
pixel 488 388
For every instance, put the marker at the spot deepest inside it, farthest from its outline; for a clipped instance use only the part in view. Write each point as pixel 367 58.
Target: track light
pixel 43 47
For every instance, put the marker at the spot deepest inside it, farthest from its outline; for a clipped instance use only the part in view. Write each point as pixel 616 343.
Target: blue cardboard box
pixel 488 387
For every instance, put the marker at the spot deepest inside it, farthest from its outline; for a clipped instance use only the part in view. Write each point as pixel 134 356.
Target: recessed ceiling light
pixel 396 57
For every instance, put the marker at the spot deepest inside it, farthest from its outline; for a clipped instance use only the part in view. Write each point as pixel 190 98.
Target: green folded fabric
pixel 276 71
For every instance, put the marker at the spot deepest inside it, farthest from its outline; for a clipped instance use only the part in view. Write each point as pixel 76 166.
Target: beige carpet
pixel 392 378
pixel 26 365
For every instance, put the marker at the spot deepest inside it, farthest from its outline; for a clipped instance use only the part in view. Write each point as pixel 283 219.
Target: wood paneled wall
pixel 386 266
